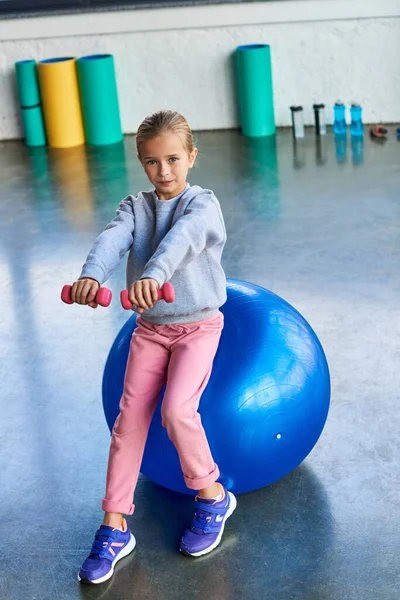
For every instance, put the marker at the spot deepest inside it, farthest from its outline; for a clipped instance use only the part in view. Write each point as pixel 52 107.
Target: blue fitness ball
pixel 265 405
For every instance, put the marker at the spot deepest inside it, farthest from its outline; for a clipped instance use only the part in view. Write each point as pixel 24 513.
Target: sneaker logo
pixel 219 518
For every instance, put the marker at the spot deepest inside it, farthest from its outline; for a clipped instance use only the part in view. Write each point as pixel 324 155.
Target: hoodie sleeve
pixel 201 227
pixel 111 245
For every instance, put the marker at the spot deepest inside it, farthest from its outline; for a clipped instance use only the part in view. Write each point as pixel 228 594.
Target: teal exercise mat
pixel 99 99
pixel 27 83
pixel 33 124
pixel 254 79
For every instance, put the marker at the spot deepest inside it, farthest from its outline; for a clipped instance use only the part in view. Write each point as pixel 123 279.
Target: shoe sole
pixel 124 552
pixel 232 506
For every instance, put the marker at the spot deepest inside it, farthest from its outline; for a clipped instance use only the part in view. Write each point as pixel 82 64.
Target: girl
pixel 175 233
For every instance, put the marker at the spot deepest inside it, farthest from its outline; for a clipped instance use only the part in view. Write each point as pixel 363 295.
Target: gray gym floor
pixel 313 224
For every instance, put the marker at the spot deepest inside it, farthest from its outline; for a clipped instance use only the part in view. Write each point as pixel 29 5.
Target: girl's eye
pixel 173 159
pixel 151 162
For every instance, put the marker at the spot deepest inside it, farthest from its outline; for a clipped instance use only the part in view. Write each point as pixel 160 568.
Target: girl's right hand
pixel 84 291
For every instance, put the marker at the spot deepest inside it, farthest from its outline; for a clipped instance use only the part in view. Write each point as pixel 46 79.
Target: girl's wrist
pixel 91 278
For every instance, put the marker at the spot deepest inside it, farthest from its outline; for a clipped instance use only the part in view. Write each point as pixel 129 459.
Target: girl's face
pixel 166 163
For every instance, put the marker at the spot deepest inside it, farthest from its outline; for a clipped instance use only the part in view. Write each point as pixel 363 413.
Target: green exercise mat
pixel 27 83
pixel 33 124
pixel 254 77
pixel 99 99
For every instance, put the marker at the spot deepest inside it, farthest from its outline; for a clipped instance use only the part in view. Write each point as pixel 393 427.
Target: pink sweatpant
pixel 181 356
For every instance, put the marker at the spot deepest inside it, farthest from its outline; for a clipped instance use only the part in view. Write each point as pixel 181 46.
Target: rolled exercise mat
pixel 61 104
pixel 32 121
pixel 99 98
pixel 254 77
pixel 27 83
pixel 29 100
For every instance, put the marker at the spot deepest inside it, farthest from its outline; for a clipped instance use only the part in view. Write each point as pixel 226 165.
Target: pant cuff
pixel 118 507
pixel 202 482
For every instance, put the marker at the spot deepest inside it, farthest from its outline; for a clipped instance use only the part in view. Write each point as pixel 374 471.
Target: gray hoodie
pixel 179 240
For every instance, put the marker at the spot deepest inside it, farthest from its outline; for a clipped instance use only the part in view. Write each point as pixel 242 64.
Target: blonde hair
pixel 162 122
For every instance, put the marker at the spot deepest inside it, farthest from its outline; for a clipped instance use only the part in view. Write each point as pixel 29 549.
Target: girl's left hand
pixel 143 293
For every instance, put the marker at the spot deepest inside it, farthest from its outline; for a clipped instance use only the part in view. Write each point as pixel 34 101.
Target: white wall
pixel 182 58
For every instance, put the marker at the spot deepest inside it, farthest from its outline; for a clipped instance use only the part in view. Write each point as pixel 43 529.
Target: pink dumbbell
pixel 103 296
pixel 166 293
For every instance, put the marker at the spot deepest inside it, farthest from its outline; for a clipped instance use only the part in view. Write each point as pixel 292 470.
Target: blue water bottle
pixel 356 126
pixel 339 121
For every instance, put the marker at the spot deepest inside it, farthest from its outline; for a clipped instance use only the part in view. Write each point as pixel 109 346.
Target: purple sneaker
pixel 208 525
pixel 109 546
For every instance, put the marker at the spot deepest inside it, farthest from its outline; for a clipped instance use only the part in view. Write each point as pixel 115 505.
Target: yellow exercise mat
pixel 61 104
